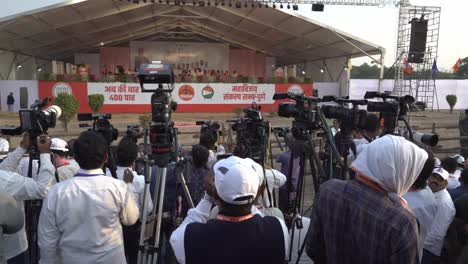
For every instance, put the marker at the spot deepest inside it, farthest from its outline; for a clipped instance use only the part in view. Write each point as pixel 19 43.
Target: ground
pixel 446 126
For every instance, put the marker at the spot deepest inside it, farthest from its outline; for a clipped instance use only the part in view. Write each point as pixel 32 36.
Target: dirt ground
pixel 446 126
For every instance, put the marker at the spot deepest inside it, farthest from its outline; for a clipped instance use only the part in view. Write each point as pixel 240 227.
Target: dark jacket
pixel 10 99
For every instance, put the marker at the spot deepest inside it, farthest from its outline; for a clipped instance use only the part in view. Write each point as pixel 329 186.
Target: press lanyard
pixel 233 219
pixel 370 183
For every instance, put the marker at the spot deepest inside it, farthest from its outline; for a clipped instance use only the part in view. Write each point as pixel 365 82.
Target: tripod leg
pixel 186 190
pixel 144 215
pixel 162 173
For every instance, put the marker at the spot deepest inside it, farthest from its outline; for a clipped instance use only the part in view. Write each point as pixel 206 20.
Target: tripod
pixel 151 225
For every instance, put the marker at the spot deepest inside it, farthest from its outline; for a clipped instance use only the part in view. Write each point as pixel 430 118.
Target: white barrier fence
pixel 358 87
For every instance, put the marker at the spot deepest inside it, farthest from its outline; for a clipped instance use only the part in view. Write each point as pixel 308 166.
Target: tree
pixel 95 102
pixel 463 72
pixel 69 105
pixel 452 101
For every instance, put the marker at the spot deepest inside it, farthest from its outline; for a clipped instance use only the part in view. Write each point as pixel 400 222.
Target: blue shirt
pixel 457 192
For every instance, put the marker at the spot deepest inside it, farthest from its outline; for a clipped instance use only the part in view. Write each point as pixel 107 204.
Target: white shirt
pixel 275 180
pixel 360 145
pixel 23 167
pixel 23 188
pixel 138 187
pixel 81 218
pixel 212 158
pixel 201 214
pixel 334 131
pixel 453 181
pixel 423 204
pixel 4 145
pixel 442 220
pixel 66 172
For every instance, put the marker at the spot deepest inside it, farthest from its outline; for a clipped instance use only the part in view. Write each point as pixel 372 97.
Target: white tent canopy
pixel 57 32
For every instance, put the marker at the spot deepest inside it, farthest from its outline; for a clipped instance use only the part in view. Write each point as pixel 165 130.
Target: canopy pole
pixel 382 69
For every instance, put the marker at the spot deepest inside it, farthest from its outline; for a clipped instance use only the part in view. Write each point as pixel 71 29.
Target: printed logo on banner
pixel 61 88
pixel 296 90
pixel 186 92
pixel 207 92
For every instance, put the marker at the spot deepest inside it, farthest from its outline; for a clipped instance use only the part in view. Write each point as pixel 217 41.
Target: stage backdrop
pixel 191 97
pixel 185 55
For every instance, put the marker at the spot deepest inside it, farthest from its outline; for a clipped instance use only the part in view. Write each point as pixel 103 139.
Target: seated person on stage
pixel 81 218
pixel 236 235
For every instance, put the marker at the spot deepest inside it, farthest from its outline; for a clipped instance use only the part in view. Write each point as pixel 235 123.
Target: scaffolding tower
pixel 421 82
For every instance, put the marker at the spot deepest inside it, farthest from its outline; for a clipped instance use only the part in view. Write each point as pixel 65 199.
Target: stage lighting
pixel 160 1
pixel 216 3
pixel 230 4
pixel 201 3
pixel 274 6
pixel 176 2
pixel 209 2
pixel 288 6
pixel 253 5
pixel 245 4
pixel 260 5
pixel 295 7
pixel 222 3
pixel 194 2
pixel 238 4
pixel 318 7
pixel 281 5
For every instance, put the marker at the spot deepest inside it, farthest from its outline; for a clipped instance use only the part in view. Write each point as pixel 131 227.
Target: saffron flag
pixel 456 67
pixel 435 70
pixel 407 68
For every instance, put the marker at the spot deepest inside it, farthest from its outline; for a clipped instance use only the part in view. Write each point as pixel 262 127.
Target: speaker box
pixel 418 40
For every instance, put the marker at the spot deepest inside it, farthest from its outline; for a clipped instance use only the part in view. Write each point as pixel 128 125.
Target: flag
pixel 456 67
pixel 407 68
pixel 435 70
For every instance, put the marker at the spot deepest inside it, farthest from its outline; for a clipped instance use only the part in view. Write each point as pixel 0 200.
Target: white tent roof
pixel 57 32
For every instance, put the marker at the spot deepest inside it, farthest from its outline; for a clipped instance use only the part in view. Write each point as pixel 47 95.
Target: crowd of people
pixel 401 204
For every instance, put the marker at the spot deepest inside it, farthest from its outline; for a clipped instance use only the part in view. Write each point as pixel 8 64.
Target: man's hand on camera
pixel 26 142
pixel 128 176
pixel 43 143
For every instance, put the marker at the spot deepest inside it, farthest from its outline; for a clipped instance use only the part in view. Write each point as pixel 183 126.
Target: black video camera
pixel 133 133
pixel 100 125
pixel 252 133
pixel 211 127
pixel 349 118
pixel 162 132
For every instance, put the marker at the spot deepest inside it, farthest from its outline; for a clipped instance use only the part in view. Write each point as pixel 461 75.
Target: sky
pixel 377 25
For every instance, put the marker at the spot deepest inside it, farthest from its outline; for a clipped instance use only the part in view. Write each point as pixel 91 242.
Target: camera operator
pixel 24 188
pixel 208 140
pixel 127 152
pixel 199 171
pixel 367 134
pixel 59 151
pixel 236 235
pixel 369 208
pixel 81 217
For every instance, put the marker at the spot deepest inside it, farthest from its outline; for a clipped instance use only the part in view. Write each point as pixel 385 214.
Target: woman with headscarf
pixel 365 220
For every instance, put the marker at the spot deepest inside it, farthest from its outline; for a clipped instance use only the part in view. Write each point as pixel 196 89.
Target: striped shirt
pixel 354 223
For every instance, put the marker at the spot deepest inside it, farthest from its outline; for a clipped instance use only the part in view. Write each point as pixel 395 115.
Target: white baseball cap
pixel 443 173
pixel 459 159
pixel 59 144
pixel 236 180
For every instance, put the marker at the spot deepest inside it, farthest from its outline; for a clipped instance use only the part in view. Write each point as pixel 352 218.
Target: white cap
pixel 459 159
pixel 236 180
pixel 443 173
pixel 258 169
pixel 59 144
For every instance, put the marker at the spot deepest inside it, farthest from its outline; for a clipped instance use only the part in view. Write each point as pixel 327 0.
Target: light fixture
pixel 216 3
pixel 19 66
pixel 346 68
pixel 303 72
pixel 102 43
pixel 295 7
pixel 160 1
pixel 209 2
pixel 274 6
pixel 318 7
pixel 230 4
pixel 201 3
pixel 176 2
pixel 288 6
pixel 281 5
pixel 245 4
pixel 322 71
pixel 40 69
pixel 238 4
